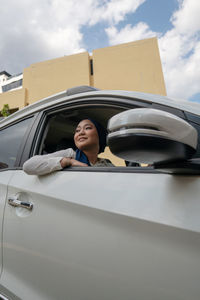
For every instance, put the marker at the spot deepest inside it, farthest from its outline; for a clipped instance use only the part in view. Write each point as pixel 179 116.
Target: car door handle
pixel 14 201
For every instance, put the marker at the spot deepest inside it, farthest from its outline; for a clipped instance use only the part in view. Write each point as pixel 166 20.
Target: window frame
pixel 36 133
pixel 74 104
pixel 24 139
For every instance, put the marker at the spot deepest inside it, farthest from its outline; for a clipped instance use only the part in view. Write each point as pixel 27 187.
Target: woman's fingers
pixel 67 162
pixel 75 162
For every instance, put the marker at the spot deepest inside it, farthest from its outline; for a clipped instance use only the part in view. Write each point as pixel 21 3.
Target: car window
pixel 58 130
pixel 197 154
pixel 11 139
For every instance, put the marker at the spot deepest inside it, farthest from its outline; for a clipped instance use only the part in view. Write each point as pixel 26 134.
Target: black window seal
pixel 192 118
pixel 112 169
pixel 117 169
pixel 173 110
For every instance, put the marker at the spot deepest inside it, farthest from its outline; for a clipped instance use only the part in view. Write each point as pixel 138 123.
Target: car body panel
pixel 103 243
pixel 99 233
pixel 4 180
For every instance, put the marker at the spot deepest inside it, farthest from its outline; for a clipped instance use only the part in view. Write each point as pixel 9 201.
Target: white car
pixel 107 233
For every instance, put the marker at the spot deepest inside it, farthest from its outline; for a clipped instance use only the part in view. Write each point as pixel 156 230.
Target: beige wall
pixel 116 161
pixel 15 99
pixel 133 66
pixel 53 76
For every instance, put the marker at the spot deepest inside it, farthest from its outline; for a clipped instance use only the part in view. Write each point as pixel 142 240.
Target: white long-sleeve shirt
pixel 48 163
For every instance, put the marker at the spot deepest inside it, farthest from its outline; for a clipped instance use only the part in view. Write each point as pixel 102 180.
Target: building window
pixel 12 85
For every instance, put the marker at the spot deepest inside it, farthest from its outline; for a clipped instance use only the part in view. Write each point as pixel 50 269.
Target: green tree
pixel 5 110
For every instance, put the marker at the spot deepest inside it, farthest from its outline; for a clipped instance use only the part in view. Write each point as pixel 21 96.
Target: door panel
pixel 4 179
pixel 103 235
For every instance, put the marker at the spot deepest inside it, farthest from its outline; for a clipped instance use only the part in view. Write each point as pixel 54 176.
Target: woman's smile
pixel 82 139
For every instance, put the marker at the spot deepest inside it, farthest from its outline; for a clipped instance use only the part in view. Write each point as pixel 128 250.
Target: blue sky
pixel 156 13
pixel 38 30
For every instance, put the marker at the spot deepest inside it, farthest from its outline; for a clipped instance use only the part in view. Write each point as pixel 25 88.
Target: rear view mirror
pixel 150 136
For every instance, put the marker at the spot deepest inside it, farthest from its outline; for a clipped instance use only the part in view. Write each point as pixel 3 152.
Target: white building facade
pixel 8 82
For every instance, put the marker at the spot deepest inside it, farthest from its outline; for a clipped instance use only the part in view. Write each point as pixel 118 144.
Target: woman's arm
pixel 48 163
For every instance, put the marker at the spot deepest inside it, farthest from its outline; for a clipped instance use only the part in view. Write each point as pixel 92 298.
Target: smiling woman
pixel 89 139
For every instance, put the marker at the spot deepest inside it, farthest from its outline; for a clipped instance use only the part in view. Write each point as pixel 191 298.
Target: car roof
pixel 63 97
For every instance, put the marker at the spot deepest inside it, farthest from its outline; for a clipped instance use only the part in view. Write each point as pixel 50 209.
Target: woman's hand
pixel 67 162
pixel 75 162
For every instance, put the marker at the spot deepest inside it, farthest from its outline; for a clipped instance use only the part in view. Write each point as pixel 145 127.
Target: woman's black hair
pixel 102 133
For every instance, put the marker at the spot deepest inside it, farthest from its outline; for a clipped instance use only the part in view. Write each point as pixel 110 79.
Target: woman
pixel 90 140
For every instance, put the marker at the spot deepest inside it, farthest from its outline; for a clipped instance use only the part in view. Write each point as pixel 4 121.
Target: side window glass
pixel 197 154
pixel 11 138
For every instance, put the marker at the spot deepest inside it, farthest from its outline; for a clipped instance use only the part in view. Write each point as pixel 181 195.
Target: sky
pixel 38 30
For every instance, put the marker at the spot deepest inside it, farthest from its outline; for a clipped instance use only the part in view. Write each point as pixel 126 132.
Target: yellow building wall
pixel 49 77
pixel 116 161
pixel 134 66
pixel 15 99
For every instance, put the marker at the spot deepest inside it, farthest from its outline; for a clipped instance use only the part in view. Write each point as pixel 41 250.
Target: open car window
pixel 59 129
pixel 59 125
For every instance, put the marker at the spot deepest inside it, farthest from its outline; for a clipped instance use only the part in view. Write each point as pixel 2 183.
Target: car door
pixel 115 234
pixel 5 176
pixel 11 137
pixel 4 179
pixel 102 233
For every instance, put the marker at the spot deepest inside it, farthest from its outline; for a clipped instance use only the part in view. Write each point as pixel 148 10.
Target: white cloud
pixel 180 51
pixel 186 19
pixel 36 30
pixel 63 41
pixel 179 48
pixel 129 33
pixel 39 30
pixel 113 11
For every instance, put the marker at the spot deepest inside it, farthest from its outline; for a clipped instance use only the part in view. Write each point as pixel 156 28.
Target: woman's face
pixel 86 136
